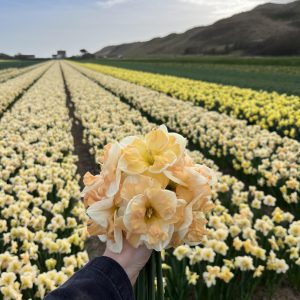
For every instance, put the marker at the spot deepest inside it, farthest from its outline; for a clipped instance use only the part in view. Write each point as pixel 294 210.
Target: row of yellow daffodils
pixel 9 73
pixel 278 112
pixel 248 235
pixel 41 220
pixel 13 88
pixel 258 156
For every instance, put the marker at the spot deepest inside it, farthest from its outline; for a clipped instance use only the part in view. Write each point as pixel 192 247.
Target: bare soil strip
pixel 86 162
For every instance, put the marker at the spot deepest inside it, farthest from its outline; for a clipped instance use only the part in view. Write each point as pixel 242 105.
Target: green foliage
pixel 5 64
pixel 270 74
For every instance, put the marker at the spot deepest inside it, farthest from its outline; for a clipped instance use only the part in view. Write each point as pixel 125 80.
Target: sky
pixel 42 27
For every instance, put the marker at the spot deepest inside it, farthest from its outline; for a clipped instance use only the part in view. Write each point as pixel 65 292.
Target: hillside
pixel 268 29
pixel 4 56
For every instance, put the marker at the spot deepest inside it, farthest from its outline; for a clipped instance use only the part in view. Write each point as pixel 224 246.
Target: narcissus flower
pixel 150 212
pixel 154 153
pixel 150 191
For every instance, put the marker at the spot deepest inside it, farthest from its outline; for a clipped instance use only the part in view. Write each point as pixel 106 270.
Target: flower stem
pixel 152 277
pixel 159 276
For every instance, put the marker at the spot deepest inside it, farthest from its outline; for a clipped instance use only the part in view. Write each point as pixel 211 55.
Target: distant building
pixel 61 54
pixel 54 56
pixel 24 56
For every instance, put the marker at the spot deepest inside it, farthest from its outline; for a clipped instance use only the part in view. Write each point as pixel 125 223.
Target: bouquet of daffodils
pixel 149 192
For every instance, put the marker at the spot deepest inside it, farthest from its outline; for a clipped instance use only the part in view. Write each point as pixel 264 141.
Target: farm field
pixel 10 73
pixel 270 74
pixel 55 119
pixel 5 64
pixel 273 111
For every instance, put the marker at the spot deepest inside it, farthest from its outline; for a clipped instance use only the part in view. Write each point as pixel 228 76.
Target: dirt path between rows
pixel 86 162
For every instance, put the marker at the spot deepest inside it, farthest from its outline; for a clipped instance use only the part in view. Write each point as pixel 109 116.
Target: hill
pixel 4 56
pixel 268 29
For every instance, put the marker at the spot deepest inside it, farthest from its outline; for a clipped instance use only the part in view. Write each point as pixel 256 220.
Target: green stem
pixel 159 276
pixel 151 277
pixel 141 288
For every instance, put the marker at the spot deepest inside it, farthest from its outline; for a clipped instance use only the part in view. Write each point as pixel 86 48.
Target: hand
pixel 131 259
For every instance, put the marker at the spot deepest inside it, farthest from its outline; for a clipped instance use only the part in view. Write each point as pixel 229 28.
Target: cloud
pixel 232 2
pixel 109 3
pixel 223 8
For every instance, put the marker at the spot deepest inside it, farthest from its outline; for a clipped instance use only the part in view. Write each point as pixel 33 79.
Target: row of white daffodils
pixel 14 87
pixel 9 73
pixel 41 220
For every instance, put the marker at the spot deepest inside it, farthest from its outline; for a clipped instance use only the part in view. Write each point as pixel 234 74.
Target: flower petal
pixel 136 185
pixel 163 161
pixel 159 236
pixel 159 177
pixel 177 143
pixel 157 141
pixel 99 211
pixel 116 245
pixel 94 229
pixel 134 158
pixel 134 215
pixel 196 229
pixel 163 201
pixel 171 176
pixel 88 178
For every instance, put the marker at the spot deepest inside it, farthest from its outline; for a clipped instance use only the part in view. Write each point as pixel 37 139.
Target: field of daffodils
pixel 250 138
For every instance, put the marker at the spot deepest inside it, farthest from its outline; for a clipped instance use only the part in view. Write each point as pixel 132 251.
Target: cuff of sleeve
pixel 116 274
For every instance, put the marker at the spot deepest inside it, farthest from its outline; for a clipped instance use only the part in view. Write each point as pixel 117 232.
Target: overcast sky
pixel 43 26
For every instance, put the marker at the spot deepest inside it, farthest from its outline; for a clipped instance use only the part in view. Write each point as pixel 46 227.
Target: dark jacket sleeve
pixel 100 279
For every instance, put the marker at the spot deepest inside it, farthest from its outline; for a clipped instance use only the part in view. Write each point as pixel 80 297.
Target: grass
pixel 281 74
pixel 5 64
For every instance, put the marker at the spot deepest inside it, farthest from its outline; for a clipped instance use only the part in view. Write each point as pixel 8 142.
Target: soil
pixel 86 162
pixel 283 293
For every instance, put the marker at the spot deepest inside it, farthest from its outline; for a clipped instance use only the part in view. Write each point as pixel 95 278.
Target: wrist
pixel 131 272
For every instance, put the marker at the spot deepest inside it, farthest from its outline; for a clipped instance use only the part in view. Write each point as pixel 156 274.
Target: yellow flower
pixel 27 281
pixel 244 263
pixel 258 271
pixel 237 244
pixel 192 277
pixel 7 278
pixel 149 214
pixel 155 153
pixel 50 263
pixel 225 274
pixel 182 251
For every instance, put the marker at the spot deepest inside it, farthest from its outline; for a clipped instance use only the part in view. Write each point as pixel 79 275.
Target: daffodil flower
pixel 149 213
pixel 155 153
